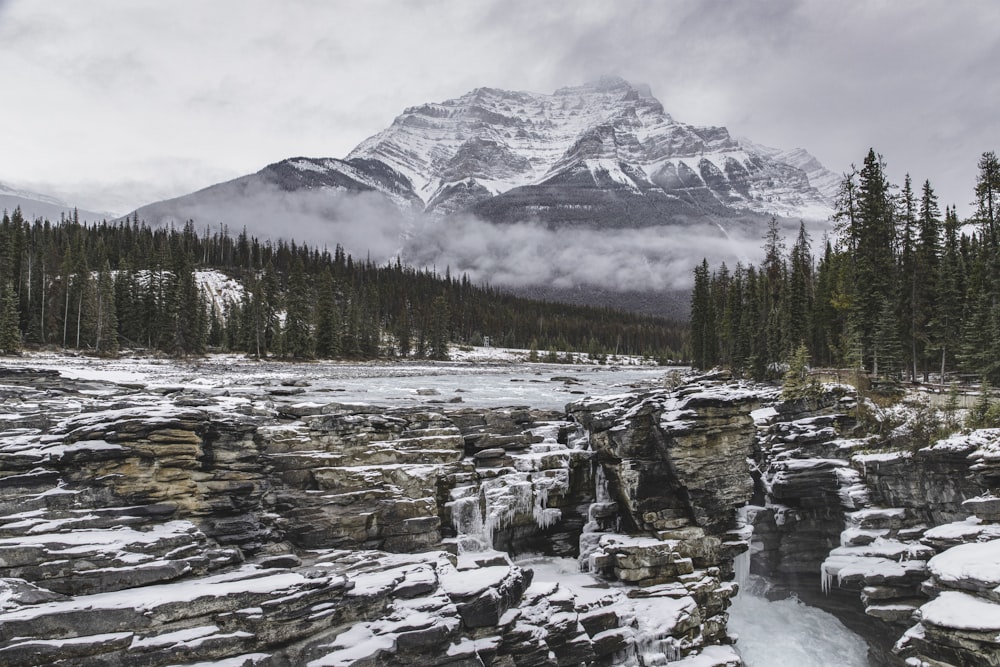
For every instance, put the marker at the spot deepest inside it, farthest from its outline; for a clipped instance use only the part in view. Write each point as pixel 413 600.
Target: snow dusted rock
pixel 673 460
pixel 961 624
pixel 985 458
pixel 948 535
pixel 931 483
pixel 363 479
pixel 971 567
pixel 123 528
pixel 807 484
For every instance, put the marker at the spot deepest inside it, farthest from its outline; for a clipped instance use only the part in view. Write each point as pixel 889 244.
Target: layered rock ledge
pixel 182 527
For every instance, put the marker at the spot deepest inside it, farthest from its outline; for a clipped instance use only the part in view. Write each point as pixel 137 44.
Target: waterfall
pixel 788 632
pixel 602 517
pixel 741 569
pixel 479 511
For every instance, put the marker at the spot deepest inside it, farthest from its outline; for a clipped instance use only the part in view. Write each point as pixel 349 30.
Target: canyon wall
pixel 175 527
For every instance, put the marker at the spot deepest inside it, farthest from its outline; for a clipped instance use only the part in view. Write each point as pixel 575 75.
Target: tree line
pixel 903 292
pixel 102 287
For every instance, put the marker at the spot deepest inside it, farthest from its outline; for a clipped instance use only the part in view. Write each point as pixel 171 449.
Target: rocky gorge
pixel 165 525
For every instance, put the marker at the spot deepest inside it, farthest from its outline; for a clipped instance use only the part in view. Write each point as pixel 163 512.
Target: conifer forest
pixel 106 287
pixel 903 291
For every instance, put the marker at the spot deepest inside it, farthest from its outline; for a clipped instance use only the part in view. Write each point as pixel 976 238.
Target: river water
pixel 788 633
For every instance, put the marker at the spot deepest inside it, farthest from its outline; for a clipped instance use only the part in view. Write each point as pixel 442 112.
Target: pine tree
pixel 327 318
pixel 978 415
pixel 774 314
pixel 270 306
pixel 297 330
pixel 927 266
pixel 945 324
pixel 185 310
pixel 908 275
pixel 10 333
pixel 439 329
pixel 106 318
pixel 874 259
pixel 826 321
pixel 704 342
pixel 988 195
pixel 800 289
pixel 796 382
pixel 846 211
pixel 886 349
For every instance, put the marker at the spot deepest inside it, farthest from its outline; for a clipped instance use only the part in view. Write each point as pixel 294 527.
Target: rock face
pixel 674 460
pixel 174 527
pixel 182 527
pixel 887 529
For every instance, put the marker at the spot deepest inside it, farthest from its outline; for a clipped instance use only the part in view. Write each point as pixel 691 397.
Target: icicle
pixel 827 579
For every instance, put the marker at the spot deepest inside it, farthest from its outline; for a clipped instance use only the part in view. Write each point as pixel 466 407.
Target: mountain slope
pixel 590 193
pixel 595 149
pixel 35 205
pixel 275 187
pixel 604 154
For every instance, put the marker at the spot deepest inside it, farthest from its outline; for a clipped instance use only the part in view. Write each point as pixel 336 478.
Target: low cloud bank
pixel 656 258
pixel 518 256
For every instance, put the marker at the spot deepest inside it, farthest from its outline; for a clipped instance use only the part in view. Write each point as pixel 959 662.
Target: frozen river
pixel 399 384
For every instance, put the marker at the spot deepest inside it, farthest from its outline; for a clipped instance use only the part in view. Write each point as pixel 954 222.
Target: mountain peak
pixel 461 152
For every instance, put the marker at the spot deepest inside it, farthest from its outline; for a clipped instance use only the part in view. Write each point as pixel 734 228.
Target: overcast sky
pixel 112 105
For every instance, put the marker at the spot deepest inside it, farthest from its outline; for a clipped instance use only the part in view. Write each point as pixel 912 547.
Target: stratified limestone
pixel 674 459
pixel 175 527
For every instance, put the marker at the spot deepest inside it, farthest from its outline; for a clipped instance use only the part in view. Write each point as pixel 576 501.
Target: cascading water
pixel 788 632
pixel 479 510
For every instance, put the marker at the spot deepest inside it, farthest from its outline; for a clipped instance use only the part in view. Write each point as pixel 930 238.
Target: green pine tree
pixel 796 382
pixel 327 318
pixel 439 329
pixel 10 333
pixel 105 317
pixel 704 340
pixel 298 315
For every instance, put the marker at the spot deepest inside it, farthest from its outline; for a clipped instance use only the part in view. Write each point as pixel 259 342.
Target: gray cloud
pixel 104 86
pixel 524 254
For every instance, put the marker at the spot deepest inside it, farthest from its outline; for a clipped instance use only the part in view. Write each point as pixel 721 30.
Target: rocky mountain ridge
pixel 601 154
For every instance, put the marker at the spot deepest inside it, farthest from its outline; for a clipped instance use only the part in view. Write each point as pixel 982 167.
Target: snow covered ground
pixel 492 379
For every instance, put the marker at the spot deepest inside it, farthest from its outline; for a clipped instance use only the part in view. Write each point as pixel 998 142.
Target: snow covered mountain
pixel 36 205
pixel 590 194
pixel 604 154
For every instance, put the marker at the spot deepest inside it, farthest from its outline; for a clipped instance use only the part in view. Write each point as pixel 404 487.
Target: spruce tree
pixel 908 274
pixel 988 195
pixel 796 383
pixel 327 318
pixel 874 262
pixel 10 333
pixel 887 352
pixel 945 325
pixel 704 342
pixel 297 330
pixel 106 318
pixel 439 329
pixel 800 289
